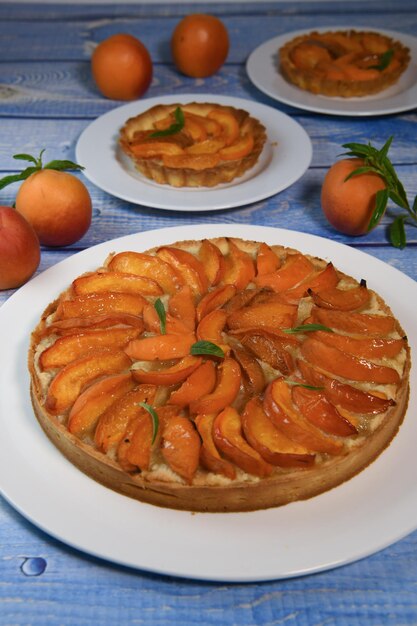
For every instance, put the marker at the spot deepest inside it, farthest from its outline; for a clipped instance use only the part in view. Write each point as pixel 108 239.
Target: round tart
pixel 219 375
pixel 193 145
pixel 343 63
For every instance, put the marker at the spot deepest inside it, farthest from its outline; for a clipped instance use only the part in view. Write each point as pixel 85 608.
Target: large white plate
pixel 262 69
pixel 286 156
pixel 371 511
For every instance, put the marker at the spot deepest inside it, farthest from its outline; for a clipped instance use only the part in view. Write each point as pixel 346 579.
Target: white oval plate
pixel 362 516
pixel 286 156
pixel 262 69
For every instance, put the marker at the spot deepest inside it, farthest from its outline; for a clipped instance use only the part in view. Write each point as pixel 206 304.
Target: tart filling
pixel 219 375
pixel 193 145
pixel 343 63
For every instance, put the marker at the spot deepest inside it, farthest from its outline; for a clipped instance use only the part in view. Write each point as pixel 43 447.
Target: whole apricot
pixel 58 206
pixel 349 204
pixel 19 249
pixel 122 67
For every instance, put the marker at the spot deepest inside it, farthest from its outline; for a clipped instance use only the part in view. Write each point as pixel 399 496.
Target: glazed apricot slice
pixel 342 299
pixel 116 282
pixel 228 438
pixel 225 391
pixel 209 455
pixel 180 446
pixel 171 375
pixel 214 300
pixel 114 421
pixel 181 306
pixel 346 365
pixel 74 377
pixel 148 266
pixel 369 348
pixel 267 261
pixel 344 395
pixel 200 383
pixel 271 350
pixel 252 373
pixel 275 314
pixel 228 122
pixel 74 346
pixel 354 323
pixel 317 409
pixel 238 149
pixel 188 266
pixel 239 267
pixel 208 146
pixel 294 269
pixel 279 407
pixel 97 304
pixel 160 347
pixel 273 446
pixel 211 326
pixel 75 324
pixel 212 260
pixel 323 279
pixel 149 149
pixel 92 402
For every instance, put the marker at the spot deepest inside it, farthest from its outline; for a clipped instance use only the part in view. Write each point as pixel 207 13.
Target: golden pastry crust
pixel 343 63
pixel 216 144
pixel 210 451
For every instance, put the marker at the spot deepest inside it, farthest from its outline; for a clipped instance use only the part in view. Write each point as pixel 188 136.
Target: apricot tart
pixel 193 145
pixel 343 63
pixel 219 375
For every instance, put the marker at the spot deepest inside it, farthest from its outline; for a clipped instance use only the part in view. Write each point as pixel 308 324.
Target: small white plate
pixel 369 512
pixel 286 156
pixel 262 69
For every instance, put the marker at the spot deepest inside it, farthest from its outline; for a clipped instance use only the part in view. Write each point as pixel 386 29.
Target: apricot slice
pixel 342 299
pixel 279 407
pixel 181 305
pixel 267 261
pixel 271 350
pixel 343 395
pixel 180 446
pixel 74 346
pixel 317 409
pixel 97 304
pixel 252 373
pixel 74 324
pixel 114 421
pixel 74 377
pixel 369 348
pixel 160 347
pixel 346 365
pixel 148 266
pixel 238 149
pixel 152 322
pixel 273 446
pixel 354 323
pixel 195 128
pixel 209 455
pixel 228 437
pixel 322 279
pixel 92 402
pixel 295 268
pixel 212 127
pixel 116 282
pixel 149 149
pixel 208 146
pixel 212 261
pixel 228 123
pixel 225 391
pixel 196 162
pixel 171 375
pixel 214 300
pixel 239 267
pixel 188 266
pixel 241 299
pixel 135 447
pixel 211 326
pixel 273 314
pixel 200 383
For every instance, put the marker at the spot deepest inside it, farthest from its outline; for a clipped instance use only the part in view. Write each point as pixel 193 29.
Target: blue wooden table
pixel 47 98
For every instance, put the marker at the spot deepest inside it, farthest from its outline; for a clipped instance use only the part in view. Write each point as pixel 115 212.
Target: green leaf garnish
pixel 36 167
pixel 384 61
pixel 306 328
pixel 294 383
pixel 160 309
pixel 206 347
pixel 175 126
pixel 155 419
pixel 377 162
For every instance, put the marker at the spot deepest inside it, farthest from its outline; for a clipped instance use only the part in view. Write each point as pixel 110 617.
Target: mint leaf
pixel 206 347
pixel 305 328
pixel 174 128
pixel 160 309
pixel 155 419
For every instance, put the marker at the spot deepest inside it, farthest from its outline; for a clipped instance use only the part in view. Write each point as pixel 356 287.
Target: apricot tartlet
pixel 193 145
pixel 219 375
pixel 343 63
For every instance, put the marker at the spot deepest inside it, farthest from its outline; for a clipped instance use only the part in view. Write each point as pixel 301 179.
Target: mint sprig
pixel 206 347
pixel 306 328
pixel 175 126
pixel 154 417
pixel 160 309
pixel 36 166
pixel 384 60
pixel 377 162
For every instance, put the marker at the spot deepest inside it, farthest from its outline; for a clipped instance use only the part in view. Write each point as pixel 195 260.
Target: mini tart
pixel 343 63
pixel 215 145
pixel 281 416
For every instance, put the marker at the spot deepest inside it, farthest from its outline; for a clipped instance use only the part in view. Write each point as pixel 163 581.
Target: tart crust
pixel 207 491
pixel 201 170
pixel 343 63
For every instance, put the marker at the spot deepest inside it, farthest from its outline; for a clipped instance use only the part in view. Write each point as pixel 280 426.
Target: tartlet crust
pixel 285 485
